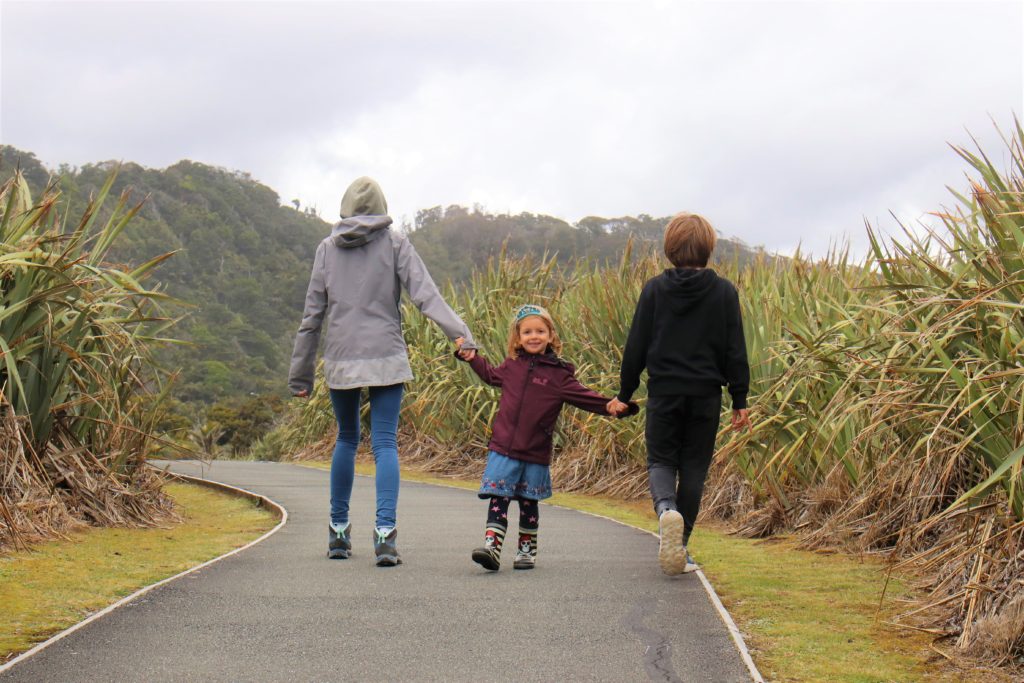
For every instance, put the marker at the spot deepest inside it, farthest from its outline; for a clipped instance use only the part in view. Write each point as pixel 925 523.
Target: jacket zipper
pixel 519 413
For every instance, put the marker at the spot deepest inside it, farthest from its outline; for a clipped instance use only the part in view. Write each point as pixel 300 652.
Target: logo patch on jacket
pixel 543 381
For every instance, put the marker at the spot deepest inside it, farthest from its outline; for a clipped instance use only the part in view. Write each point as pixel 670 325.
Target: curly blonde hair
pixel 528 311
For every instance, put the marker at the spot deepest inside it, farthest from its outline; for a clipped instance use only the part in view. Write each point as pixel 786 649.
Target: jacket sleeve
pixel 424 293
pixel 487 372
pixel 303 365
pixel 574 393
pixel 737 370
pixel 634 356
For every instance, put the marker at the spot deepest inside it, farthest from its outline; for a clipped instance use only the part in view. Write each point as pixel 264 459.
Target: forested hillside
pixel 240 271
pixel 456 240
pixel 242 265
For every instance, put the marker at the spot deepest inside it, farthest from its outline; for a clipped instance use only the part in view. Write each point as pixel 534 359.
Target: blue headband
pixel 528 310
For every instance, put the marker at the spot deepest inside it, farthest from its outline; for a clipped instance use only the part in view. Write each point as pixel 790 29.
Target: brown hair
pixel 528 311
pixel 689 241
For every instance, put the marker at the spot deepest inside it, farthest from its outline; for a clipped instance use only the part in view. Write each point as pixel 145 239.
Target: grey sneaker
pixel 385 546
pixel 671 552
pixel 691 564
pixel 339 542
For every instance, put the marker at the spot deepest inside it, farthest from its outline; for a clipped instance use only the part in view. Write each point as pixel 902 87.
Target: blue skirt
pixel 505 476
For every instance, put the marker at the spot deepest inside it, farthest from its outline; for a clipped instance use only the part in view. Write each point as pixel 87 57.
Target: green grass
pixel 806 616
pixel 57 584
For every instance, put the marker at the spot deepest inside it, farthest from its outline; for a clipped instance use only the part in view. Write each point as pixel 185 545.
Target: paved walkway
pixel 595 608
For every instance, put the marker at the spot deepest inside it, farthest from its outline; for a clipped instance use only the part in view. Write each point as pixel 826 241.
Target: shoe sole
pixel 338 554
pixel 388 560
pixel 671 552
pixel 485 560
pixel 523 565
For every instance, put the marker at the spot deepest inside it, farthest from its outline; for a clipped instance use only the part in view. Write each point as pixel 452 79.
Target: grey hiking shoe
pixel 385 546
pixel 671 552
pixel 339 542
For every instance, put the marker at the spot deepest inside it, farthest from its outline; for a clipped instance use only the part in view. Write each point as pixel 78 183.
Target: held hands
pixel 740 418
pixel 468 354
pixel 616 407
pixel 302 394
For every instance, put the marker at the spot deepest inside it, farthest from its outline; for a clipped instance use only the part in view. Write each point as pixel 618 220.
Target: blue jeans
pixel 384 405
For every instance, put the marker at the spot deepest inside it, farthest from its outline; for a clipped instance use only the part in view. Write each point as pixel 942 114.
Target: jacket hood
pixel 356 231
pixel 687 285
pixel 363 198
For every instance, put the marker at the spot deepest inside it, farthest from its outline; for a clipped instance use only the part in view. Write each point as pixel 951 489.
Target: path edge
pixel 723 613
pixel 260 500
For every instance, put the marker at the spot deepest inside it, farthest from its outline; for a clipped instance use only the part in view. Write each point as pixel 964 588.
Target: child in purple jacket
pixel 534 383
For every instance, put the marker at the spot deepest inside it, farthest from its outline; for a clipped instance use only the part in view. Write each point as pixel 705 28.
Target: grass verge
pixel 57 584
pixel 806 616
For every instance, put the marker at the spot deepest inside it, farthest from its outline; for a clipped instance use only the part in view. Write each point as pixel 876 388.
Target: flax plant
pixel 79 394
pixel 891 416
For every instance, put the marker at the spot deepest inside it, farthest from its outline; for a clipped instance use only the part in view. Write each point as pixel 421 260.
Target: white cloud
pixel 783 122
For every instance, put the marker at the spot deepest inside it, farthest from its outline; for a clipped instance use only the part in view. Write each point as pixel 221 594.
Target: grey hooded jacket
pixel 358 275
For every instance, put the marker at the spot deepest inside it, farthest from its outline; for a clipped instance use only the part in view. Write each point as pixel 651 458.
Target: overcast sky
pixel 782 122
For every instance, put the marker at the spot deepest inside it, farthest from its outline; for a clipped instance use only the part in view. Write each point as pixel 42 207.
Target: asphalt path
pixel 596 607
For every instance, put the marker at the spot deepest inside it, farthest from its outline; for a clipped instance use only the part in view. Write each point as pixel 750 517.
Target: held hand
pixel 616 407
pixel 740 418
pixel 468 354
pixel 302 394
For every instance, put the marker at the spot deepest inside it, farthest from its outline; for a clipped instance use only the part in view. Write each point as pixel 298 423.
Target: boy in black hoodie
pixel 687 332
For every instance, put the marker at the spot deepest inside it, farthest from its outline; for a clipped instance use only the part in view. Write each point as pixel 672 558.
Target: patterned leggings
pixel 529 512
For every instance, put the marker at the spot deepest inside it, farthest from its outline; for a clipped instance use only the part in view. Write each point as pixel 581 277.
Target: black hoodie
pixel 688 333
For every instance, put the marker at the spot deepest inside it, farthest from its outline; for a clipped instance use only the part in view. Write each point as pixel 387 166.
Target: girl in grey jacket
pixel 358 275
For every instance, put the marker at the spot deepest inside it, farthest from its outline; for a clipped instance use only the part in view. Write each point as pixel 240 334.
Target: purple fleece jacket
pixel 533 389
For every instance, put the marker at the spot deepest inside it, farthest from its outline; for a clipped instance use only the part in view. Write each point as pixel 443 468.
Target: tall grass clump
pixel 887 399
pixel 891 419
pixel 79 395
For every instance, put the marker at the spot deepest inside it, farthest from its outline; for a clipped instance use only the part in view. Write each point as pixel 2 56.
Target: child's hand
pixel 616 407
pixel 468 354
pixel 740 418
